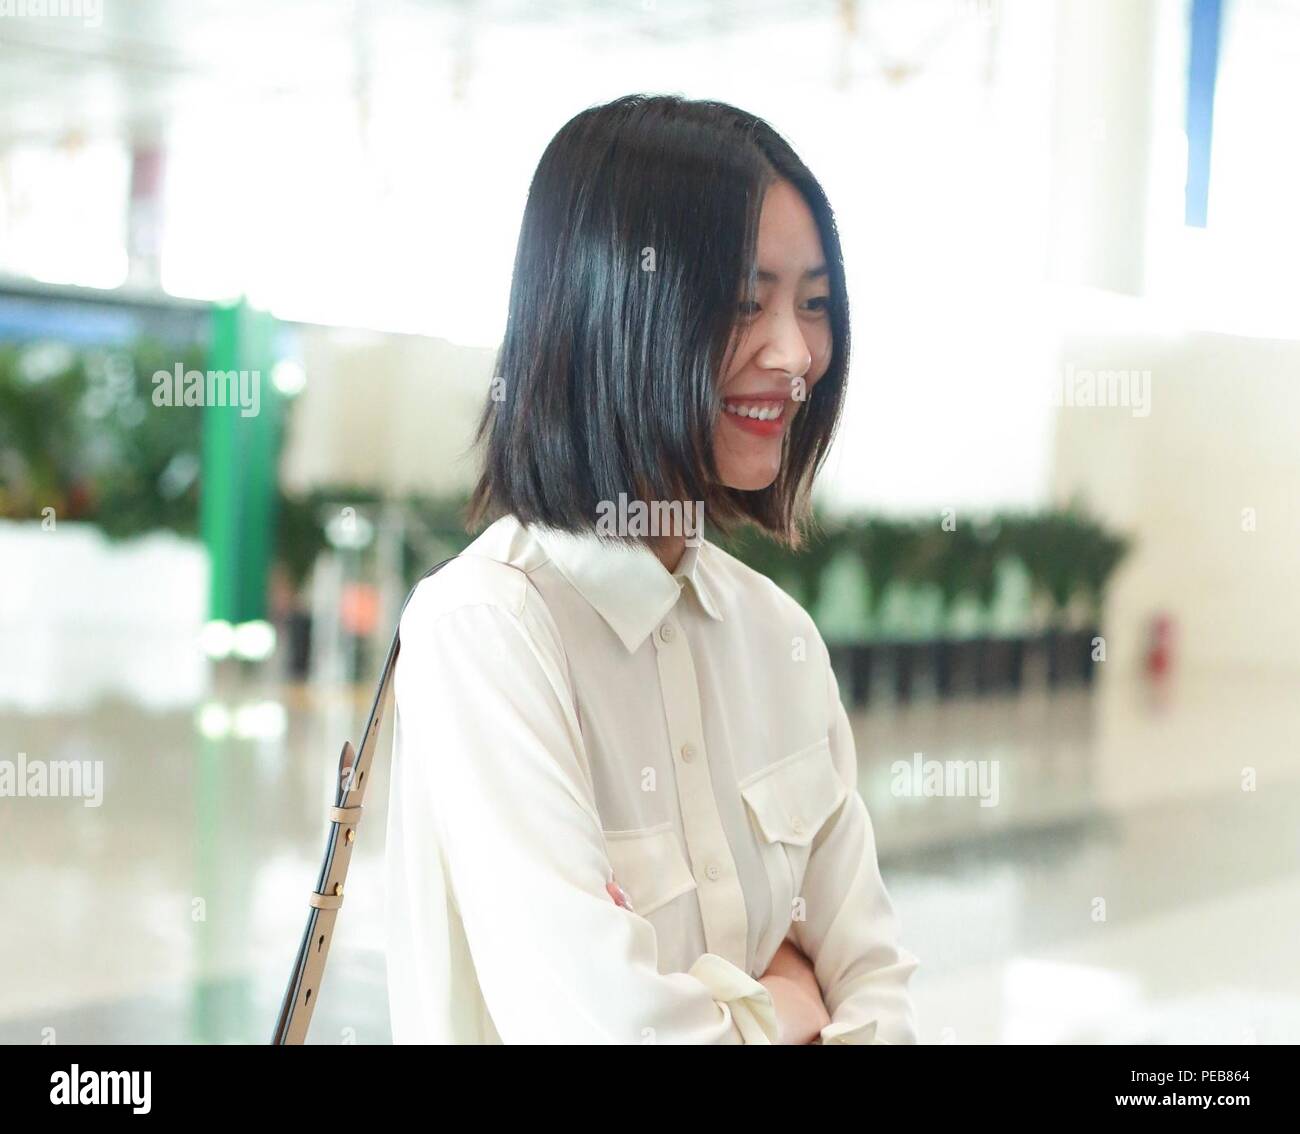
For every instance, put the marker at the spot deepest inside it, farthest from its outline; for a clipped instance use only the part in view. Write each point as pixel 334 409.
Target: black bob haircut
pixel 608 378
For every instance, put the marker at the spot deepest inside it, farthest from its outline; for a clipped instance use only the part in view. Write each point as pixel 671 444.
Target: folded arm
pixel 851 932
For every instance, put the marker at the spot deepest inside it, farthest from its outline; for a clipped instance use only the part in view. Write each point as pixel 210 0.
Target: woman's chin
pixel 752 479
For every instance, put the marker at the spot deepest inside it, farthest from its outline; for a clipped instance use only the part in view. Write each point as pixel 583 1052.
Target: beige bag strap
pixel 354 767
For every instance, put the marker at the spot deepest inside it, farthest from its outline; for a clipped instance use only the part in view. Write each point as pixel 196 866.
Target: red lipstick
pixel 763 414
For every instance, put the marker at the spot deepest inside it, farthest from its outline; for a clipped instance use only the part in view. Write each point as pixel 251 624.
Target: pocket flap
pixel 792 798
pixel 650 866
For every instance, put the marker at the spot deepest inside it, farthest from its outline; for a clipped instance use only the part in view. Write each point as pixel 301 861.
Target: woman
pixel 624 801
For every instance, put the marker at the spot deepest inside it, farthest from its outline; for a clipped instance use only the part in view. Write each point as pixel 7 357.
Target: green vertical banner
pixel 241 446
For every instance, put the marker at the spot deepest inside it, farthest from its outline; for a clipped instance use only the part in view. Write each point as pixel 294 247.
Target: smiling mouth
pixel 764 417
pixel 754 409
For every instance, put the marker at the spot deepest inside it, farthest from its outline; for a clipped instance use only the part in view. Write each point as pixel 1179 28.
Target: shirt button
pixel 712 871
pixel 688 752
pixel 667 632
pixel 797 824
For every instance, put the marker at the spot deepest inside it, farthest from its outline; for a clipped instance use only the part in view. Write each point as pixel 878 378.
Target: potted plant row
pixel 966 607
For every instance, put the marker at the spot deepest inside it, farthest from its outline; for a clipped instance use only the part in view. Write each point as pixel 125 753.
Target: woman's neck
pixel 669 549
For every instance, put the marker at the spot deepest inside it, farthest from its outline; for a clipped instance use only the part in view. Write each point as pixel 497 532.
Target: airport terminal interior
pixel 1059 530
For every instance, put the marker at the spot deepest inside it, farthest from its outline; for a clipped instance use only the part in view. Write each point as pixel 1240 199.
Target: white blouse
pixel 570 713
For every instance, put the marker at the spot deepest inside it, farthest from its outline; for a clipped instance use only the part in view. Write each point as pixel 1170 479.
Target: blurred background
pixel 1059 534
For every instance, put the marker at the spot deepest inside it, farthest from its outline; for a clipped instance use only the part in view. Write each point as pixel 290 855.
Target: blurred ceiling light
pixel 349 530
pixel 53 228
pixel 262 720
pixel 213 720
pixel 289 377
pixel 254 641
pixel 217 638
pixel 259 720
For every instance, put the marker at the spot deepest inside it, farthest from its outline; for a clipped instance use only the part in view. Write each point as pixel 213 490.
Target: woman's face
pixel 782 343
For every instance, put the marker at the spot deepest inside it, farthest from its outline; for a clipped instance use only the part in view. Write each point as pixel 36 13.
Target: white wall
pixel 1223 435
pixel 393 412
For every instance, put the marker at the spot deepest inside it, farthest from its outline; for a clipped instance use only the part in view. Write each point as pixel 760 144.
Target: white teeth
pixel 758 411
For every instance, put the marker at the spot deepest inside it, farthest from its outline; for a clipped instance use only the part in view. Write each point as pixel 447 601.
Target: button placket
pixel 720 896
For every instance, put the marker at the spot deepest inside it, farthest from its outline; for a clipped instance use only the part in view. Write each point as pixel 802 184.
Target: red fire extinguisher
pixel 1160 647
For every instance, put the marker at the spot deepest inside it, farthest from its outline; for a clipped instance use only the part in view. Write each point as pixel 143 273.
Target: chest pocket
pixel 650 866
pixel 789 802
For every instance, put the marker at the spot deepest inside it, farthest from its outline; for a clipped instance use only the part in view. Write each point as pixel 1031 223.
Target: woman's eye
pixel 819 303
pixel 748 307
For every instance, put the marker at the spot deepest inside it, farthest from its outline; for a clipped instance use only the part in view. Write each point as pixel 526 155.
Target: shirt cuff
pixel 843 1032
pixel 750 1004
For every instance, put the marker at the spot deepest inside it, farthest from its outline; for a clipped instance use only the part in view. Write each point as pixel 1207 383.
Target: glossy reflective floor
pixel 1136 877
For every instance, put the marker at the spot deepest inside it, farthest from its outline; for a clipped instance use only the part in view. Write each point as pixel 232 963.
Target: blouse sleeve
pixel 851 932
pixel 492 743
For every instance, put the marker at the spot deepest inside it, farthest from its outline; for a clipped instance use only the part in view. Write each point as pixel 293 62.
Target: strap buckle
pixel 327 901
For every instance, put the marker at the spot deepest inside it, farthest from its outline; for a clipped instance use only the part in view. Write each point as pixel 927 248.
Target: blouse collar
pixel 627 584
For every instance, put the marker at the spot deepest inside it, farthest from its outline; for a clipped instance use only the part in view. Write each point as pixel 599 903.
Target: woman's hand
pixel 800 1012
pixel 615 891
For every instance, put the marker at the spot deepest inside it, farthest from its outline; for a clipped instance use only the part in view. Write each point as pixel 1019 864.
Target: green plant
pixel 758 551
pixel 985 549
pixel 1055 547
pixel 79 433
pixel 299 536
pixel 943 558
pixel 890 550
pixel 1100 556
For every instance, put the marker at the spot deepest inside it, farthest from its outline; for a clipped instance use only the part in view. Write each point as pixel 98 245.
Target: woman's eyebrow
pixel 764 276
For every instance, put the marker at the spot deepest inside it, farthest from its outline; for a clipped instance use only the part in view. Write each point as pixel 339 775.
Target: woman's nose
pixel 786 349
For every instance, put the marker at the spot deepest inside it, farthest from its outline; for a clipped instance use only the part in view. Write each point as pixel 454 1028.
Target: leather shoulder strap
pixel 325 901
